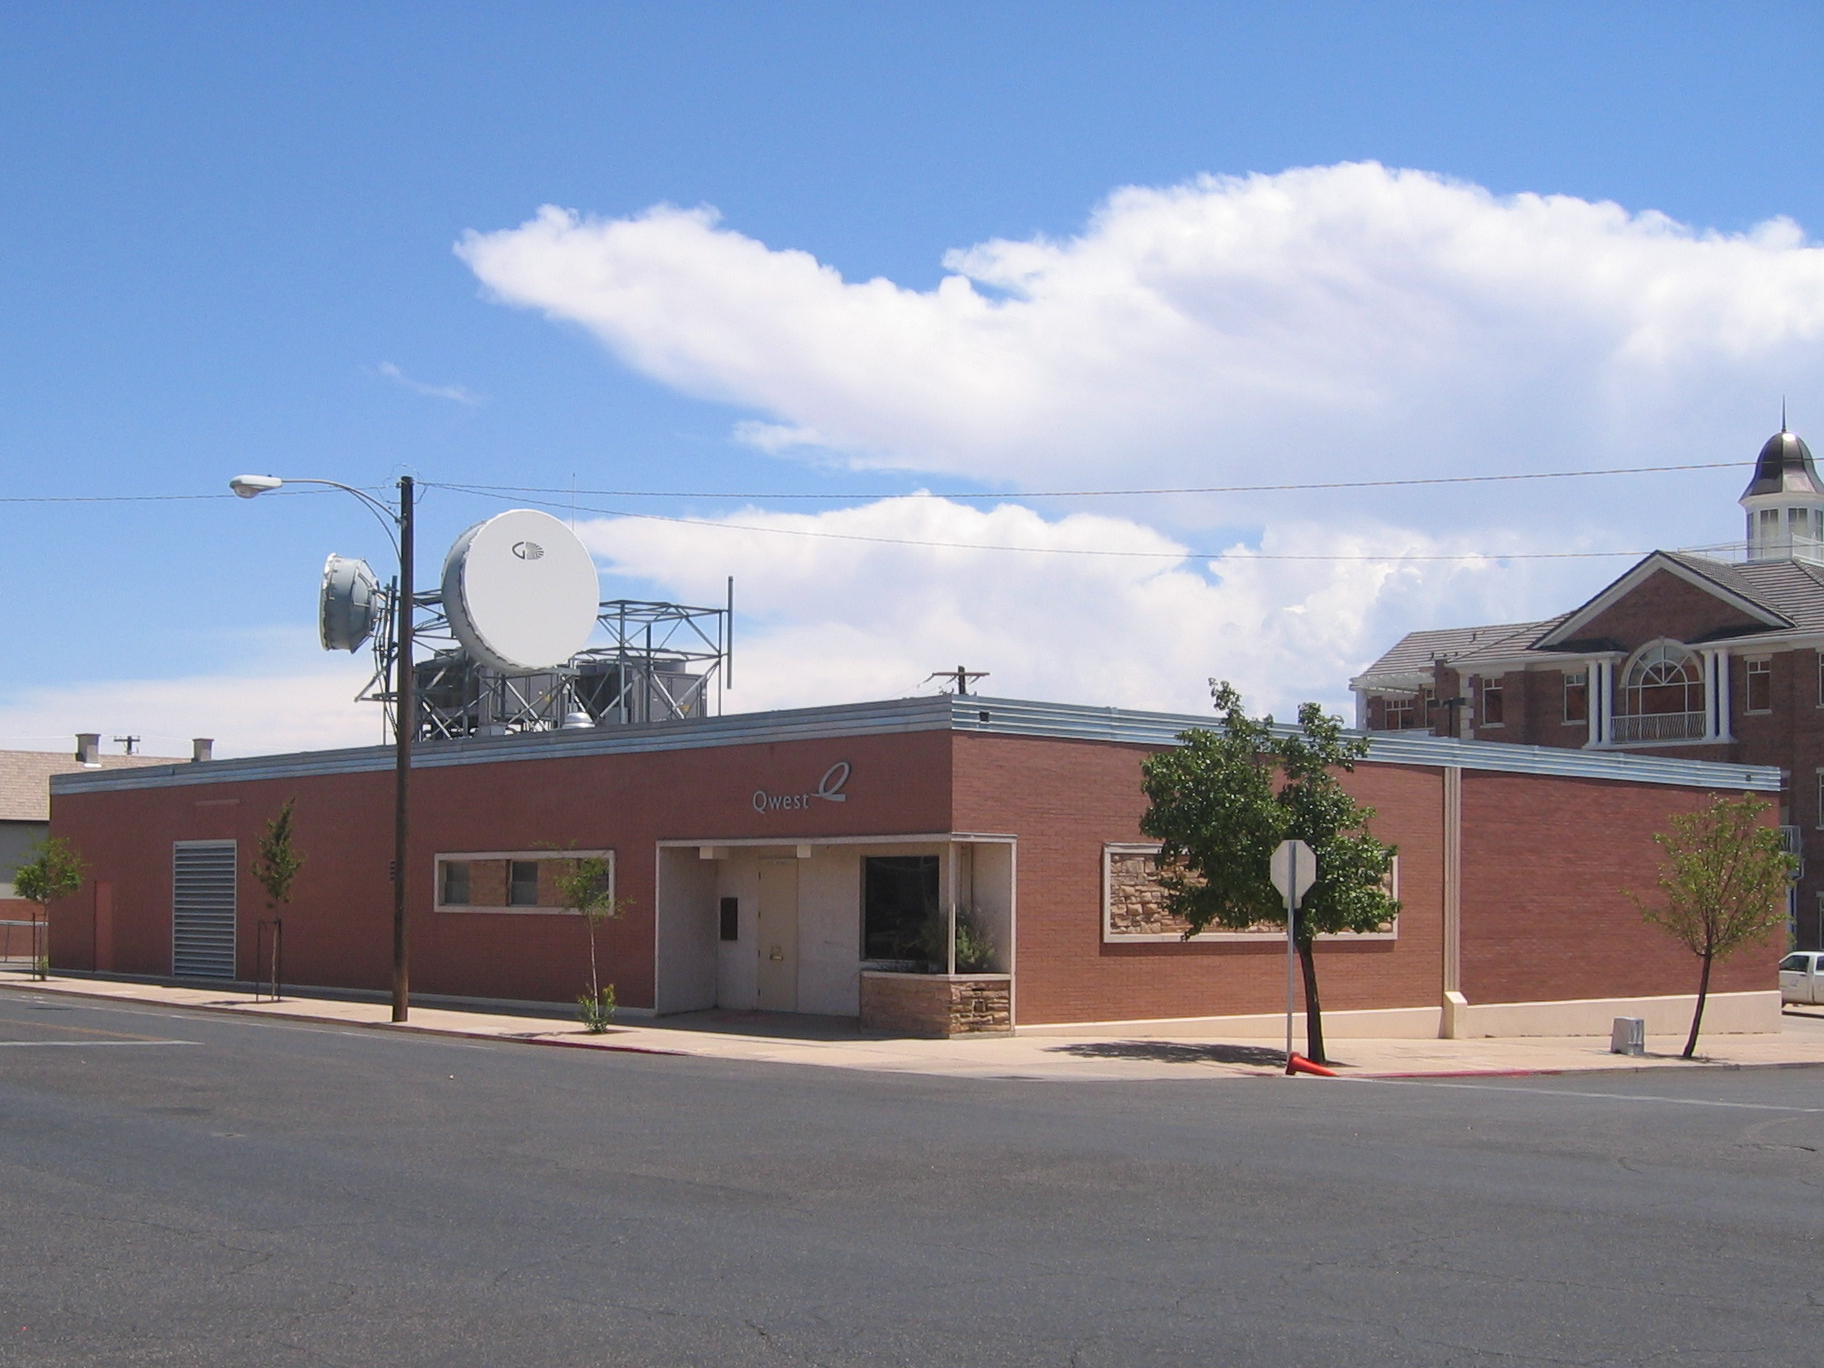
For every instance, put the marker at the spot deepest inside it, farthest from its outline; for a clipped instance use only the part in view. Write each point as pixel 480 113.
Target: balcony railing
pixel 1685 726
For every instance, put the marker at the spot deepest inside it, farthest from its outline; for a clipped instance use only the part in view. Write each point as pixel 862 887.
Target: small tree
pixel 1723 885
pixel 587 888
pixel 52 870
pixel 275 867
pixel 1223 800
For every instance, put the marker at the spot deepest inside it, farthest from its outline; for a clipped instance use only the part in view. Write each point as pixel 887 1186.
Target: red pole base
pixel 1297 1064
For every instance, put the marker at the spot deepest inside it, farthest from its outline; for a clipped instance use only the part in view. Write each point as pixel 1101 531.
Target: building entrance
pixel 777 942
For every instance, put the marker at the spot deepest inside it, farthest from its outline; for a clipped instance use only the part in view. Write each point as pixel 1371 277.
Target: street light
pixel 404 702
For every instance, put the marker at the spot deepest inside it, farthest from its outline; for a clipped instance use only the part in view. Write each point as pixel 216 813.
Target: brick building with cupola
pixel 1712 656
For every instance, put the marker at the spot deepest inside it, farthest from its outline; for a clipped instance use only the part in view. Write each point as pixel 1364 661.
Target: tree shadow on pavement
pixel 1175 1052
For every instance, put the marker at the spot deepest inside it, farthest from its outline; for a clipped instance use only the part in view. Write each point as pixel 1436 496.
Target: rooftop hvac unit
pixel 624 691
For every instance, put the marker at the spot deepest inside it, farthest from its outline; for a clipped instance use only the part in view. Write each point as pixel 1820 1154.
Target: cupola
pixel 1785 502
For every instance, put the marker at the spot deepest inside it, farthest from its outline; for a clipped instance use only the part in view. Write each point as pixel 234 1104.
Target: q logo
pixel 829 788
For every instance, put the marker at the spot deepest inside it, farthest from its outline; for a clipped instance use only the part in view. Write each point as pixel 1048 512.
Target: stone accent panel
pixel 936 1006
pixel 1136 902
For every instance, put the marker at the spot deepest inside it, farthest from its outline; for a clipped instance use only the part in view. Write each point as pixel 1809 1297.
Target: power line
pixel 489 492
pixel 960 496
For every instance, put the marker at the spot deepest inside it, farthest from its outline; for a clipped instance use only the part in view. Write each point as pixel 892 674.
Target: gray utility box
pixel 1629 1036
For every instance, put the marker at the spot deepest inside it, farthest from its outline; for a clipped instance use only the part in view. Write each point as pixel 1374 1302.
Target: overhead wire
pixel 964 496
pixel 495 492
pixel 532 494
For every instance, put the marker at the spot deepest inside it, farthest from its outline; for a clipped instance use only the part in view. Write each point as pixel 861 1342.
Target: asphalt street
pixel 179 1188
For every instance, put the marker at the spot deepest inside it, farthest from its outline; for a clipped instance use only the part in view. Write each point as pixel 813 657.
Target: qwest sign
pixel 829 790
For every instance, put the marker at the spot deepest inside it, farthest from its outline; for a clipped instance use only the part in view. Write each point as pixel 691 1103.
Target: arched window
pixel 1663 679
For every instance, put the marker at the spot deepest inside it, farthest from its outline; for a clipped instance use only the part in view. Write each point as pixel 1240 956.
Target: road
pixel 182 1188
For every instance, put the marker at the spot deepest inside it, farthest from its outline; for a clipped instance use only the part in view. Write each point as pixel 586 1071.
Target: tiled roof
pixel 1416 651
pixel 25 779
pixel 1792 590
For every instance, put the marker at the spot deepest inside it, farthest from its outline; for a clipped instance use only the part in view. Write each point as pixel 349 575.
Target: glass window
pixel 522 885
pixel 455 889
pixel 1494 711
pixel 1793 963
pixel 1397 712
pixel 1577 696
pixel 1821 679
pixel 1664 680
pixel 1758 696
pixel 898 902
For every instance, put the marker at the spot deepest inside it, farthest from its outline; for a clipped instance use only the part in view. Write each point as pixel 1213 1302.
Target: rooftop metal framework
pixel 662 662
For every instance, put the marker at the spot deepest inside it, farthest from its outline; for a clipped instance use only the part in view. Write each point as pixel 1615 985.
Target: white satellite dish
pixel 520 592
pixel 348 604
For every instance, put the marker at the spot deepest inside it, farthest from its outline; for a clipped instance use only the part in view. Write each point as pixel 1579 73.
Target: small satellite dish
pixel 348 604
pixel 520 592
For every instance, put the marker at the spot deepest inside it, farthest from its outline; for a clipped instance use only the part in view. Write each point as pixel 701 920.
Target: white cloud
pixel 1322 323
pixel 295 698
pixel 850 613
pixel 455 393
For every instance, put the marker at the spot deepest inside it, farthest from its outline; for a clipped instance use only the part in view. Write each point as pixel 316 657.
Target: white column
pixel 1592 699
pixel 1707 657
pixel 1720 703
pixel 1602 702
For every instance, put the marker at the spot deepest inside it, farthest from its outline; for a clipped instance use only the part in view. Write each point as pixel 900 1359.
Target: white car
pixel 1802 977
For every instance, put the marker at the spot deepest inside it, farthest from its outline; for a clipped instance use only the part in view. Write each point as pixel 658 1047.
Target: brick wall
pixel 1066 799
pixel 338 929
pixel 1546 865
pixel 1664 605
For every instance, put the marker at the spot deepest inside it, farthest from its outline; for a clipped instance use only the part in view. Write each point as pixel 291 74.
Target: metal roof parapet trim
pixel 967 713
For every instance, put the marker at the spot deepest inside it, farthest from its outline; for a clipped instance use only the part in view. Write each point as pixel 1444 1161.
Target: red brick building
pixel 791 861
pixel 1684 655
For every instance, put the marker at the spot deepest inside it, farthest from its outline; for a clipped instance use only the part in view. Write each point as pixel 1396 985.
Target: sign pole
pixel 1294 870
pixel 1291 911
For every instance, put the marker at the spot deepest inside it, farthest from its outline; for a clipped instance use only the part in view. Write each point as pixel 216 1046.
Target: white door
pixel 778 936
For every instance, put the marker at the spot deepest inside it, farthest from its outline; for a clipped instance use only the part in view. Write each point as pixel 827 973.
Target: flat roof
pixel 941 712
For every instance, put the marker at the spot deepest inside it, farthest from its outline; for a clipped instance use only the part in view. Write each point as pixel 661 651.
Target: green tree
pixel 52 870
pixel 1722 886
pixel 275 867
pixel 586 887
pixel 1223 800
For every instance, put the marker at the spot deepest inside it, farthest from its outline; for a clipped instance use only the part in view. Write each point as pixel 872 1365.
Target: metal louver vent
pixel 202 909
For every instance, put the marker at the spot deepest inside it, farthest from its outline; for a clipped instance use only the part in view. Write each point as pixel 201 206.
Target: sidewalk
pixel 1104 1054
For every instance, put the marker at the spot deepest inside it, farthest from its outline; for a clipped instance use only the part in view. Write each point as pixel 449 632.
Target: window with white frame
pixel 1818 821
pixel 1576 695
pixel 1663 679
pixel 1821 679
pixel 1494 707
pixel 514 881
pixel 1757 692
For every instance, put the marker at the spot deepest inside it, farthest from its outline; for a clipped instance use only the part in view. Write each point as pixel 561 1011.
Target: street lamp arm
pixel 251 486
pixel 404 695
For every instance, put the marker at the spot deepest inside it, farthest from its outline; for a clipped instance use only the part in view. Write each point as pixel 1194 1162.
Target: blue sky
pixel 1112 246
